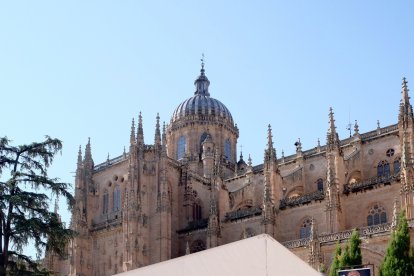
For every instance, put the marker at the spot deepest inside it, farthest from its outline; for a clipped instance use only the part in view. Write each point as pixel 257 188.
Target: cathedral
pixel 188 191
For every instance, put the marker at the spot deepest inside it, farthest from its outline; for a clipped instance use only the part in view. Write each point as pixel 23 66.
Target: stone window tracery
pixel 376 215
pixel 197 211
pixel 181 147
pixel 319 184
pixel 105 202
pixel 397 165
pixel 305 228
pixel 390 152
pixel 383 168
pixel 116 199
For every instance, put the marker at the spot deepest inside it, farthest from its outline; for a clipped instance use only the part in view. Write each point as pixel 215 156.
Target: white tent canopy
pixel 259 255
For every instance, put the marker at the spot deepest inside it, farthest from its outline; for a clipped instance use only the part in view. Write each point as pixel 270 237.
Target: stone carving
pixel 305 199
pixel 243 213
pixel 370 183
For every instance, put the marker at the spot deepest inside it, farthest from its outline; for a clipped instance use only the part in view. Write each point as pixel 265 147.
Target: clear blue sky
pixel 79 69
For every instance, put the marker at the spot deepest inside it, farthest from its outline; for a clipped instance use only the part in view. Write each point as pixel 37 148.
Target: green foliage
pixel 322 268
pixel 335 265
pixel 350 256
pixel 24 205
pixel 399 258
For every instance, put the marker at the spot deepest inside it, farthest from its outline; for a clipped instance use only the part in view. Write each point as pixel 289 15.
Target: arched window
pixel 227 149
pixel 197 211
pixel 197 245
pixel 319 183
pixel 376 215
pixel 383 169
pixel 397 165
pixel 305 228
pixel 117 199
pixel 181 148
pixel 105 203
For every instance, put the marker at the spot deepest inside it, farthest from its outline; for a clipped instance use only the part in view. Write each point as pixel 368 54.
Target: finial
pixel 202 83
pixel 107 159
pixel 405 90
pixel 298 145
pixel 88 151
pixel 249 161
pixel 56 204
pixel 124 153
pixel 319 143
pixel 187 248
pixel 140 132
pixel 202 63
pixel 269 137
pixel 331 120
pixel 356 128
pixel 79 156
pixel 283 153
pixel 241 152
pixel 132 136
pixel 157 138
pixel 332 138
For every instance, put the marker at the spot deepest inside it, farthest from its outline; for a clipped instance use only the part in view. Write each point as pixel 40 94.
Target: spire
pixel 164 139
pixel 202 83
pixel 79 157
pixel 332 139
pixel 406 110
pixel 356 128
pixel 132 136
pixel 88 161
pixel 249 161
pixel 56 210
pixel 157 138
pixel 270 152
pixel 269 137
pixel 140 132
pixel 318 146
pixel 404 91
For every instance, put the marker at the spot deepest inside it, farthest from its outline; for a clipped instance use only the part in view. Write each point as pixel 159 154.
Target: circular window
pixel 390 152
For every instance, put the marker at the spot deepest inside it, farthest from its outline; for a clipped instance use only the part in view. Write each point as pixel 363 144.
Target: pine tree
pixel 335 265
pixel 399 258
pixel 355 256
pixel 25 217
pixel 351 256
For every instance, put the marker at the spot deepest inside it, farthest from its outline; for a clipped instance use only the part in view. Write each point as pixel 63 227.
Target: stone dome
pixel 201 104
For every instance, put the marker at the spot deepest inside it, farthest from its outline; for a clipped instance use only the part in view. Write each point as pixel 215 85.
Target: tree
pixel 335 265
pixel 399 258
pixel 352 257
pixel 24 210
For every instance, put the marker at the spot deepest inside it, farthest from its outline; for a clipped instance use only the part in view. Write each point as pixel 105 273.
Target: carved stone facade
pixel 187 191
